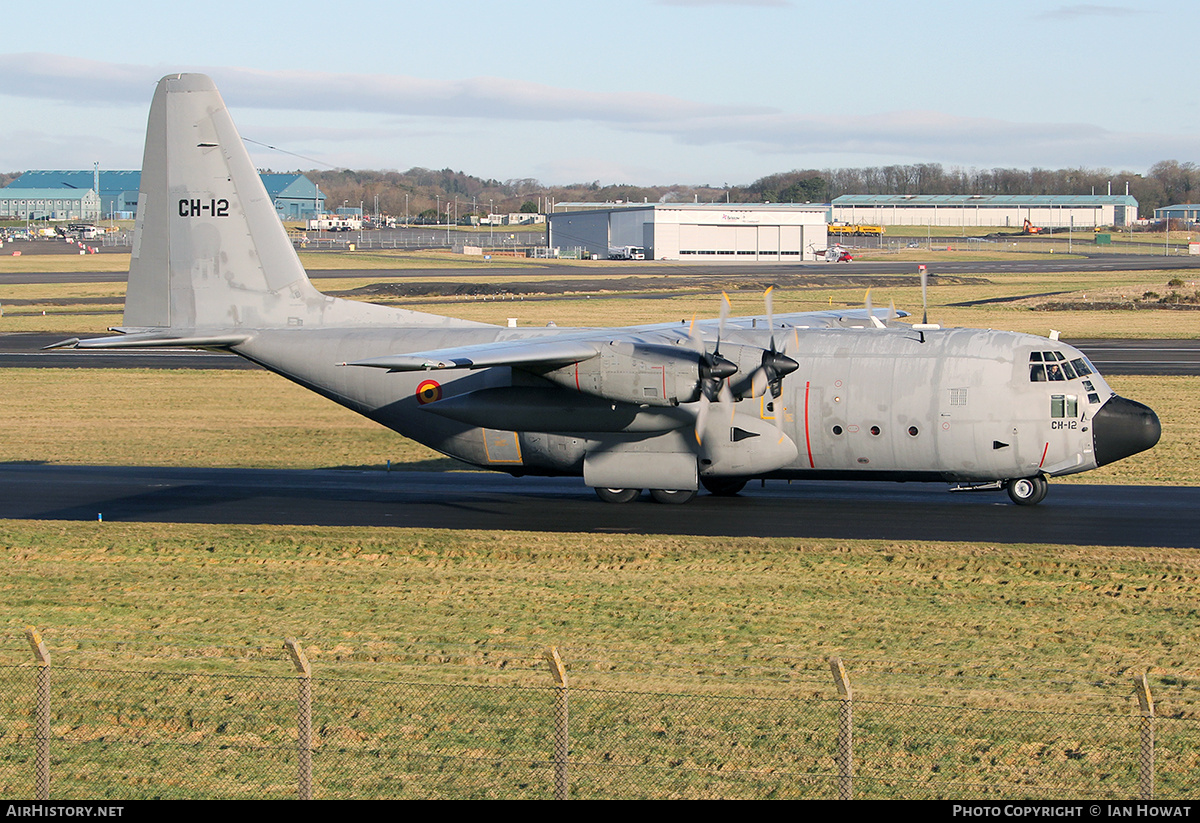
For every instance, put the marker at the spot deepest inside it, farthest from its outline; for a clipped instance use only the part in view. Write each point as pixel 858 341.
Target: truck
pixel 329 222
pixel 856 229
pixel 626 253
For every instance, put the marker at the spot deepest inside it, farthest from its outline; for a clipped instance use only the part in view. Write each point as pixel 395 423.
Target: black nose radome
pixel 1123 427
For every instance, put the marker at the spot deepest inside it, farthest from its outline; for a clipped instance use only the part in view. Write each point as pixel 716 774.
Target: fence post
pixel 303 719
pixel 561 731
pixel 41 734
pixel 845 738
pixel 1146 756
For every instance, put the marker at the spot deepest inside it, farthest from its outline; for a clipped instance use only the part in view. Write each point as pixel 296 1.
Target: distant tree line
pixel 428 191
pixel 1166 183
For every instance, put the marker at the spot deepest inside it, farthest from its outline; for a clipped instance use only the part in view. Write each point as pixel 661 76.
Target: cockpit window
pixel 1052 366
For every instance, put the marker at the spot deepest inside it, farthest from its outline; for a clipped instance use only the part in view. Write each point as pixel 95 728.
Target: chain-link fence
pixel 73 733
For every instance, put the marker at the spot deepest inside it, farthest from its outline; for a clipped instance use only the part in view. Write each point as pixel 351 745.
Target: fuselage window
pixel 1064 406
pixel 1081 367
pixel 1037 372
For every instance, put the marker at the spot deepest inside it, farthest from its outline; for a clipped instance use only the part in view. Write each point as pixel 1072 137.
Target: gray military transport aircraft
pixel 840 395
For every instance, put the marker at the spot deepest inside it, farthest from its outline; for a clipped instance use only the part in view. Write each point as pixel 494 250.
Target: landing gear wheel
pixel 618 495
pixel 1028 491
pixel 672 495
pixel 723 486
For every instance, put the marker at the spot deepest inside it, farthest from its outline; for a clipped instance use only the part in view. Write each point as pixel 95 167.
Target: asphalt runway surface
pixel 935 267
pixel 1147 516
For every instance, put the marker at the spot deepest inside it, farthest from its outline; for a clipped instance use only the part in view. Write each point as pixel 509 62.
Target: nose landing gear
pixel 1028 491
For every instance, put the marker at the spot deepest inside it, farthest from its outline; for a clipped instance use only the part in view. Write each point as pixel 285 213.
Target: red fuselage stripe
pixel 807 441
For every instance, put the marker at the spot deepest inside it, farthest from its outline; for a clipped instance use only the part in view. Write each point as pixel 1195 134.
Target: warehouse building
pixel 295 196
pixel 49 204
pixel 692 232
pixel 1189 212
pixel 118 190
pixel 962 210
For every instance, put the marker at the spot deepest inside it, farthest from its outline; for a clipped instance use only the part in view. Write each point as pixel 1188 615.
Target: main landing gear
pixel 1028 491
pixel 660 495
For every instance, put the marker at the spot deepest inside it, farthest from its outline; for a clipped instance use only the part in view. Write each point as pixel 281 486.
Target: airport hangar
pixel 693 232
pixel 960 210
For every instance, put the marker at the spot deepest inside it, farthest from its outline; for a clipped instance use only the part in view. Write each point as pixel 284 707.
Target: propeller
pixel 715 371
pixel 775 364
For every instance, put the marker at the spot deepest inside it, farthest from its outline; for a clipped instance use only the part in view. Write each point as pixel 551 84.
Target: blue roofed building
pixel 1181 211
pixel 49 204
pixel 295 196
pixel 118 190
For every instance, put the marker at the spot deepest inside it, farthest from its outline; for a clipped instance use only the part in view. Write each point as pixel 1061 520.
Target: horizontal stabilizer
pixel 154 340
pixel 518 353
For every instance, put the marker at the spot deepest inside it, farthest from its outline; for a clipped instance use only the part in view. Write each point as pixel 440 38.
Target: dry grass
pixel 188 418
pixel 913 619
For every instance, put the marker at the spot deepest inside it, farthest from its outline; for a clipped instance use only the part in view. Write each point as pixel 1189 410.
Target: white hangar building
pixel 693 232
pixel 1059 211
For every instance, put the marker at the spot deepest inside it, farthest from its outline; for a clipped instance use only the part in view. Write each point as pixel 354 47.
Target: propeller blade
pixel 701 419
pixel 924 301
pixel 759 382
pixel 875 321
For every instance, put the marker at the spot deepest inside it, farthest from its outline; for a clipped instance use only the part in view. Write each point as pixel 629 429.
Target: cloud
pixel 396 111
pixel 90 82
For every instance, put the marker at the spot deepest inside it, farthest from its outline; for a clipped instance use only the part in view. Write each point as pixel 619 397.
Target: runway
pixel 25 350
pixel 1147 516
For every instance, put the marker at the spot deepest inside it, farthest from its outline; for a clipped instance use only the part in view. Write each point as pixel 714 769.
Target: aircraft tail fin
pixel 209 249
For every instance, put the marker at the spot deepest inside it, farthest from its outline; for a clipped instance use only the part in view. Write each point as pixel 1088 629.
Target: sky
pixel 642 92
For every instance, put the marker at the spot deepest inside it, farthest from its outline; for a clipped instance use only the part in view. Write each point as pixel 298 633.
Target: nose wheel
pixel 1028 491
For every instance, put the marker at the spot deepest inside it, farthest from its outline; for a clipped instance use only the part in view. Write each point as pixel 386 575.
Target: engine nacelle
pixel 640 373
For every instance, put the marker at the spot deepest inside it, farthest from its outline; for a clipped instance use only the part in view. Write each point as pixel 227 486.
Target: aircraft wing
pixel 536 352
pixel 826 318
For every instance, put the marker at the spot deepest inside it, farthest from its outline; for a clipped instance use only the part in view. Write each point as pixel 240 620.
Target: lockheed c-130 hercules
pixel 669 407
